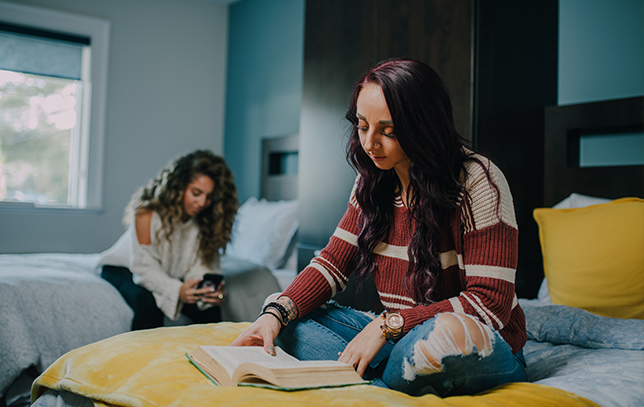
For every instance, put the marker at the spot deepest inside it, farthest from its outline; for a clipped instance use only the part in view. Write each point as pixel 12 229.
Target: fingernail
pixel 271 350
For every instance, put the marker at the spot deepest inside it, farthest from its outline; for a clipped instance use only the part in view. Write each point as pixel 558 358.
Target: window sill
pixel 29 208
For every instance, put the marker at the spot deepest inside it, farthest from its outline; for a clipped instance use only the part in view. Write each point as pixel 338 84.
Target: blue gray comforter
pixel 596 357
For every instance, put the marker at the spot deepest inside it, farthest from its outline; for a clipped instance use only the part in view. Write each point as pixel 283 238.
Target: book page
pixel 232 356
pixel 306 365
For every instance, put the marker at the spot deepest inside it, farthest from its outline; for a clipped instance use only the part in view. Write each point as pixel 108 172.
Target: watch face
pixel 394 321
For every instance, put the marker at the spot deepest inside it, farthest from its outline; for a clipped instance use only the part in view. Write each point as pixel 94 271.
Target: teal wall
pixel 601 50
pixel 264 82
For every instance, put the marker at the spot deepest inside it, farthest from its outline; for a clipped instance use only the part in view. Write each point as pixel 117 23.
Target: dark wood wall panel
pixel 437 32
pixel 515 78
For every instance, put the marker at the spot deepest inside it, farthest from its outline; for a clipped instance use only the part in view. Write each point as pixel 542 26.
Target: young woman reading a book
pixel 434 224
pixel 176 226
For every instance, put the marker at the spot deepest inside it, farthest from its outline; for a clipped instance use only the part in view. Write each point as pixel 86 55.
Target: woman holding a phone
pixel 167 262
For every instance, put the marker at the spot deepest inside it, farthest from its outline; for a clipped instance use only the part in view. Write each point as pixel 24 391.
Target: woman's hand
pixel 189 293
pixel 215 297
pixel 262 332
pixel 364 346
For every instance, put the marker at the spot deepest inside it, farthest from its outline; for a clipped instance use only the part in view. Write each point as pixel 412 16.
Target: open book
pixel 252 366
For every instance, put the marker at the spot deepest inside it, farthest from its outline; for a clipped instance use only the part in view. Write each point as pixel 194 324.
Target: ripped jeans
pixel 431 358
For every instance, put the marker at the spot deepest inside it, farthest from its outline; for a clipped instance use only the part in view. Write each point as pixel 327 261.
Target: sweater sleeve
pixel 329 272
pixel 148 272
pixel 145 263
pixel 488 257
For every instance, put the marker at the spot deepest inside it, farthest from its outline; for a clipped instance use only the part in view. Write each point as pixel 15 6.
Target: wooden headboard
pixel 563 127
pixel 279 174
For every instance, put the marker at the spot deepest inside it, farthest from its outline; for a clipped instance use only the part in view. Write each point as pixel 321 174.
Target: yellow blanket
pixel 149 368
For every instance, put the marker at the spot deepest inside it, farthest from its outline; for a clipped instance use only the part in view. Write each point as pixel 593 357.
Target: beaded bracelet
pixel 280 309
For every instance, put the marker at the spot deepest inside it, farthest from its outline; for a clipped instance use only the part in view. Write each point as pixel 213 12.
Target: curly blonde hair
pixel 164 195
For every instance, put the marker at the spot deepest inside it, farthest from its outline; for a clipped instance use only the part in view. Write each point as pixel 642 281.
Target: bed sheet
pixel 51 304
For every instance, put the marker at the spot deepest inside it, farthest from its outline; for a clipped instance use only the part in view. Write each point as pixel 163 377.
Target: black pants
pixel 146 313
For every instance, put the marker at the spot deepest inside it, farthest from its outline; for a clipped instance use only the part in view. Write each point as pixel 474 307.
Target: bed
pixel 585 329
pixel 52 303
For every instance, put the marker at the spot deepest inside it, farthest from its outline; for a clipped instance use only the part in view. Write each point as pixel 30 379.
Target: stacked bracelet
pixel 283 313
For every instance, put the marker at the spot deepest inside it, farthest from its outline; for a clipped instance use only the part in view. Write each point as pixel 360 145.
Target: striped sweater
pixel 478 255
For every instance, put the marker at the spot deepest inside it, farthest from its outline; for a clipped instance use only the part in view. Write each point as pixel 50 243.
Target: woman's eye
pixel 389 134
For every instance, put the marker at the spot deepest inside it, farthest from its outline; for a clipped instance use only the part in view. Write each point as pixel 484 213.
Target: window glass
pixel 38 123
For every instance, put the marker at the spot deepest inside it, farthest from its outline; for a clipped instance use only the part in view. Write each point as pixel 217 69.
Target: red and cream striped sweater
pixel 478 254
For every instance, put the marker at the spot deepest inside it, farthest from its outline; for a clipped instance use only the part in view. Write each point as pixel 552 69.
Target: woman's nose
pixel 370 140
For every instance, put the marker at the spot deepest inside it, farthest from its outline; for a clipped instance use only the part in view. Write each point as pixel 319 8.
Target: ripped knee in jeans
pixel 453 334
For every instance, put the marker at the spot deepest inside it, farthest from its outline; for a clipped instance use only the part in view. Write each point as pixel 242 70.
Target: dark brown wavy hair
pixel 424 126
pixel 164 195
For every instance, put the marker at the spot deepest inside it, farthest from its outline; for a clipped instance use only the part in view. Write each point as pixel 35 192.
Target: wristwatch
pixel 393 325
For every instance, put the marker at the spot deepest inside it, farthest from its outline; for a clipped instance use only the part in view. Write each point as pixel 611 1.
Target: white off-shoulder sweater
pixel 161 267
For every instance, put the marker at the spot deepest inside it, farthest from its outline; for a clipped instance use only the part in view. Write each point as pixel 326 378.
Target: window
pixel 52 98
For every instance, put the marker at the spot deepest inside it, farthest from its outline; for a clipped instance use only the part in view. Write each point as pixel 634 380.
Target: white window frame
pixel 90 192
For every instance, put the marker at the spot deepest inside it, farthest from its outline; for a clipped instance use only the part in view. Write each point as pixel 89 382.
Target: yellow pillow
pixel 593 257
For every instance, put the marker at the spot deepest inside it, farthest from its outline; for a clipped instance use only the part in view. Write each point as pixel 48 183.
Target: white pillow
pixel 580 201
pixel 263 231
pixel 573 201
pixel 544 294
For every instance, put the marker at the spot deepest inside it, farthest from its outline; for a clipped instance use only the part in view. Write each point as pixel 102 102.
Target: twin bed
pixel 585 330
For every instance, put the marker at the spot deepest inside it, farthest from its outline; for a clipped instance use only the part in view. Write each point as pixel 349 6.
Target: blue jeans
pixel 404 366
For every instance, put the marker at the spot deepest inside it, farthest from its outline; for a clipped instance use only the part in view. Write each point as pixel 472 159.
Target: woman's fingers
pixel 262 332
pixel 188 291
pixel 363 347
pixel 361 367
pixel 209 296
pixel 358 362
pixel 268 347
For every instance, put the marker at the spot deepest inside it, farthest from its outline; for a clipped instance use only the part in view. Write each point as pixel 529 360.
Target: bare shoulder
pixel 142 222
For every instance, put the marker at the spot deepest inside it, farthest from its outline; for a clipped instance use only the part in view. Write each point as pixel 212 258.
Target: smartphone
pixel 211 280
